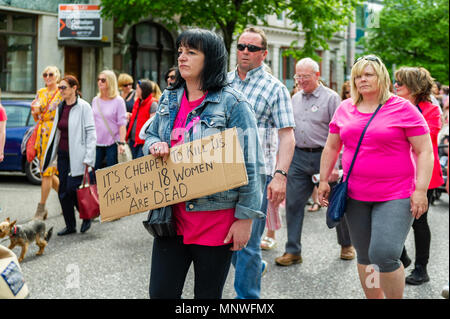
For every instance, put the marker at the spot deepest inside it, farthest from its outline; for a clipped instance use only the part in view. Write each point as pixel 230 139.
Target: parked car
pixel 19 121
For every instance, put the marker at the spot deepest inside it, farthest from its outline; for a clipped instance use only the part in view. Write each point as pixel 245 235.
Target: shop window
pixel 17 52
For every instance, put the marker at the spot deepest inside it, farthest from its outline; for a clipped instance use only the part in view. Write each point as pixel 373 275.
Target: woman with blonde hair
pixel 387 189
pixel 43 110
pixel 110 117
pixel 125 82
pixel 156 91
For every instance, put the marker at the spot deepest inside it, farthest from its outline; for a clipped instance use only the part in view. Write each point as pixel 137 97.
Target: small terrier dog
pixel 23 235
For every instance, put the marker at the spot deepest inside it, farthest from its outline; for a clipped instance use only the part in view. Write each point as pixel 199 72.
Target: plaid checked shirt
pixel 272 104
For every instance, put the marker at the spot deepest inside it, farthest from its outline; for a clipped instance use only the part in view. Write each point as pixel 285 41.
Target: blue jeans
pixel 248 261
pixel 105 152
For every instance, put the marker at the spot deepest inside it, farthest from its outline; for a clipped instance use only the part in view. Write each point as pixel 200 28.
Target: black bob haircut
pixel 214 74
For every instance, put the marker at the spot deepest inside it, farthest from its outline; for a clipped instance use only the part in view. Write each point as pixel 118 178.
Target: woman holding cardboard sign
pixel 210 228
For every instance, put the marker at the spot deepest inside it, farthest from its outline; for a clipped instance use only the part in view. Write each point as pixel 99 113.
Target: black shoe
pixel 85 225
pixel 418 276
pixel 67 231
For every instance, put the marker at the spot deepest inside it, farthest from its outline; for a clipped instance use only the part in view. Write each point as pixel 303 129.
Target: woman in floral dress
pixel 43 110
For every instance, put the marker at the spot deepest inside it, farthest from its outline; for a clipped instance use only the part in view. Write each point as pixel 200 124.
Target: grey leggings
pixel 378 231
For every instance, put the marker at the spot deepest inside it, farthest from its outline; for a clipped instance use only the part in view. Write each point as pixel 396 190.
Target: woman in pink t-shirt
pixel 414 84
pixel 3 119
pixel 387 188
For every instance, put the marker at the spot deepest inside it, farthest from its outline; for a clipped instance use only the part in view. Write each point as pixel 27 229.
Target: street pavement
pixel 112 259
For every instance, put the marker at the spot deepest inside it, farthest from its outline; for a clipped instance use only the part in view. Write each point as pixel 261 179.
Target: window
pixel 17 52
pixel 151 52
pixel 287 69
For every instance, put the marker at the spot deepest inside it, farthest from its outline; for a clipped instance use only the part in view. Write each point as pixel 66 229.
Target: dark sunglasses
pixel 368 58
pixel 62 87
pixel 125 85
pixel 47 74
pixel 250 47
pixel 103 80
pixel 399 83
pixel 172 77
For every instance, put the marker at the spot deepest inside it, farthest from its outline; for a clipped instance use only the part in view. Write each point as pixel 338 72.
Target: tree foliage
pixel 320 20
pixel 413 33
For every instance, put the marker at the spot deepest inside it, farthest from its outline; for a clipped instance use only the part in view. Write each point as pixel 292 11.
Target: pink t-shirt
pixel 115 113
pixel 208 228
pixel 384 168
pixel 3 116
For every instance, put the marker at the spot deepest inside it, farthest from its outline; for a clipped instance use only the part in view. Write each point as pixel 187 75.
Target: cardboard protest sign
pixel 199 168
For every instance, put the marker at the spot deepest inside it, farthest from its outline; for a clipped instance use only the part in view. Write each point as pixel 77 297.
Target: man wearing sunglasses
pixel 273 111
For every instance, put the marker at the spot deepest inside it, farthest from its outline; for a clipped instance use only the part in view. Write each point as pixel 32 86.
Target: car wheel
pixel 33 172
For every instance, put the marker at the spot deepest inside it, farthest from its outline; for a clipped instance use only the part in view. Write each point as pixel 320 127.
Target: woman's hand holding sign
pixel 160 149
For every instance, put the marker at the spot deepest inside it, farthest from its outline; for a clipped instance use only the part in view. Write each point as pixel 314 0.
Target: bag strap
pixel 104 120
pixel 86 176
pixel 360 140
pixel 47 107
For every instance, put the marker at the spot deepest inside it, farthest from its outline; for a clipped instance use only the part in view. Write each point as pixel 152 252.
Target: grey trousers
pixel 298 189
pixel 379 231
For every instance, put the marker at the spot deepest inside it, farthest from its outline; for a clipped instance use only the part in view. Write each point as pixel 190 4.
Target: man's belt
pixel 310 149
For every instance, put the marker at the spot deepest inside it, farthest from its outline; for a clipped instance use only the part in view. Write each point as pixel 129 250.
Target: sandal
pixel 314 208
pixel 268 243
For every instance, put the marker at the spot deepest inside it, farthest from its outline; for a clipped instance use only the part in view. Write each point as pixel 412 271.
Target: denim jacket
pixel 219 111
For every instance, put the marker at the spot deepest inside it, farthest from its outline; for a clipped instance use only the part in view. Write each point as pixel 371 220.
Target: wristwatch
pixel 121 143
pixel 280 171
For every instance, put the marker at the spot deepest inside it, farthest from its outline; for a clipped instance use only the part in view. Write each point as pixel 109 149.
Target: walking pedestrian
pixel 72 140
pixel 43 110
pixel 3 119
pixel 385 195
pixel 271 102
pixel 209 229
pixel 110 120
pixel 144 107
pixel 314 107
pixel 171 76
pixel 125 82
pixel 414 84
pixel 345 91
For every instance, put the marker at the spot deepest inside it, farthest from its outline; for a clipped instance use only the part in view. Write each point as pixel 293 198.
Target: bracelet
pixel 121 143
pixel 280 172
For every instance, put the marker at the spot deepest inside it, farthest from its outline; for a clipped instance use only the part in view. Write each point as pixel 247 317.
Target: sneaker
pixel 288 259
pixel 263 268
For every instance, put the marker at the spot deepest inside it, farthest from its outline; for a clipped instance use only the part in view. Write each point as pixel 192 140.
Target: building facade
pixel 280 35
pixel 29 42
